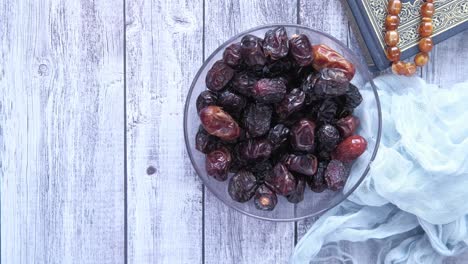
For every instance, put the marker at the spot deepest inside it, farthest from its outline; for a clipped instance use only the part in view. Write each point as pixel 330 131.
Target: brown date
pixel 347 125
pixel 350 148
pixel 232 55
pixel 326 57
pixel 218 76
pixel 300 50
pixel 217 163
pixel 303 136
pixel 303 164
pixel 242 186
pixel 255 149
pixel 281 180
pixel 265 199
pixel 219 123
pixel 297 195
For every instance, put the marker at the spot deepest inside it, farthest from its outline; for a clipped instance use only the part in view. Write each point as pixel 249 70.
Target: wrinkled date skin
pixel 303 164
pixel 261 170
pixel 328 137
pixel 257 119
pixel 278 135
pixel 336 175
pixel 332 82
pixel 204 142
pixel 218 76
pixel 325 111
pixel 256 149
pixel 348 125
pixel 275 43
pixel 353 97
pixel 217 163
pixel 350 148
pixel 252 50
pixel 303 135
pixel 265 199
pixel 326 57
pixel 269 90
pixel 297 195
pixel 243 83
pixel 232 102
pixel 308 87
pixel 301 50
pixel 281 180
pixel 219 123
pixel 317 182
pixel 242 186
pixel 277 68
pixel 232 55
pixel 205 99
pixel 291 103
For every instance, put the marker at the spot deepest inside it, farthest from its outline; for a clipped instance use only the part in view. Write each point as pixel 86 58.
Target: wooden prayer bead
pixel 393 54
pixel 394 7
pixel 425 44
pixel 392 38
pixel 427 9
pixel 410 69
pixel 425 28
pixel 398 67
pixel 421 59
pixel 392 22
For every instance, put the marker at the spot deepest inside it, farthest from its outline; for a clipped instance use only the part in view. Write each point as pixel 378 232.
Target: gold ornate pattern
pixel 448 14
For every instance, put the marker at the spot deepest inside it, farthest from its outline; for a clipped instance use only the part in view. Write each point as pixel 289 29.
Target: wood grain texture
pixel 448 61
pixel 231 237
pixel 164 51
pixel 62 131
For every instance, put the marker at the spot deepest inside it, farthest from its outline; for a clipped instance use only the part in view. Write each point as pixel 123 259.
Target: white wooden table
pixel 93 165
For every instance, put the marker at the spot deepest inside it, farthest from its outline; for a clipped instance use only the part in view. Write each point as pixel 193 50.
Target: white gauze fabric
pixel 416 193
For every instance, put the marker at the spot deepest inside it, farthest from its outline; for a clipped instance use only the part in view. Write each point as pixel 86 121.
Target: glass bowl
pixel 313 203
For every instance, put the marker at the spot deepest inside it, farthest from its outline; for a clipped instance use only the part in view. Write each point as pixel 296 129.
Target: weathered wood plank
pixel 164 51
pixel 62 131
pixel 448 61
pixel 231 237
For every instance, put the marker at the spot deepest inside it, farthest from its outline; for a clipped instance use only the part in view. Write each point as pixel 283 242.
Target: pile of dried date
pixel 278 114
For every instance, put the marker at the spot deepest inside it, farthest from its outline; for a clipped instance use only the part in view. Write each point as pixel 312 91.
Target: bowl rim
pixel 367 76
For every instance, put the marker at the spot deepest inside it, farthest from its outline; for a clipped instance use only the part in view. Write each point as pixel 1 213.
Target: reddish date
pixel 326 57
pixel 219 123
pixel 350 148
